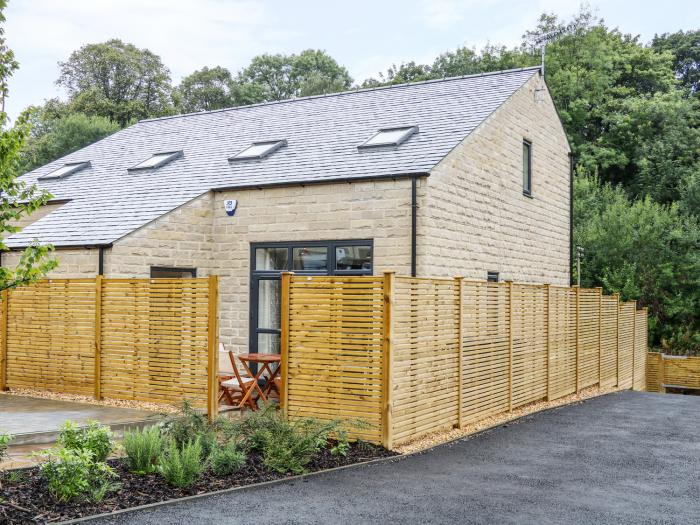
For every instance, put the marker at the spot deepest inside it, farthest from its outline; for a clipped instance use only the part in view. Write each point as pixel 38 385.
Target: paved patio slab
pixel 35 421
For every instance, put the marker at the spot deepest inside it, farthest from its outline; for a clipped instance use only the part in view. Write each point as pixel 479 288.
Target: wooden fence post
pixel 284 339
pixel 212 348
pixel 634 339
pixel 662 373
pixel 617 339
pixel 387 387
pixel 510 346
pixel 3 341
pixel 458 288
pixel 578 343
pixel 549 331
pixel 600 337
pixel 98 337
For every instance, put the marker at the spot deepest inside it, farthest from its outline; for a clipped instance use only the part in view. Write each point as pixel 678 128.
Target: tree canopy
pixel 116 80
pixel 17 200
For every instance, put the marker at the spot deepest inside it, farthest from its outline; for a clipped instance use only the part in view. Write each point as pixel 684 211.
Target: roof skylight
pixel 65 170
pixel 390 137
pixel 259 150
pixel 157 160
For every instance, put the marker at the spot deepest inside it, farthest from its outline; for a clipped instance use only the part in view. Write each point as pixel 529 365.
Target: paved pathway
pixel 628 457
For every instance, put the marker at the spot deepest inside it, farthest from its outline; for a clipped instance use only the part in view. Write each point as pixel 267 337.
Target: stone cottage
pixel 462 176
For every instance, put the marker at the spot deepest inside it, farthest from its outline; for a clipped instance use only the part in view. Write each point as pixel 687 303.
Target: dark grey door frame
pixel 257 275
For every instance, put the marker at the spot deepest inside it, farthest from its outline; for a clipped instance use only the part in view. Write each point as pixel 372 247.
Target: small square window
pixel 65 170
pixel 259 150
pixel 271 258
pixel 311 258
pixel 390 137
pixel 161 272
pixel 349 258
pixel 527 168
pixel 157 160
pixel 492 276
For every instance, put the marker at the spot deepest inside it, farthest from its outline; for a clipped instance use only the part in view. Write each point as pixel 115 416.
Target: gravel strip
pixel 437 438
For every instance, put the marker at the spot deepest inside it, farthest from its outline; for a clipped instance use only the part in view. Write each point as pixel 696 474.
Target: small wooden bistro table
pixel 266 360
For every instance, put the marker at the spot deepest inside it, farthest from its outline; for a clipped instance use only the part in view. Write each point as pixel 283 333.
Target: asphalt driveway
pixel 627 457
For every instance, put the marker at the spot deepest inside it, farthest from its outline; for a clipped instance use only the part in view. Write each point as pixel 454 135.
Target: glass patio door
pixel 269 260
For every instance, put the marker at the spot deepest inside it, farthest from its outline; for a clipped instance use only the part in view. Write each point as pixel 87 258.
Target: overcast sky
pixel 364 36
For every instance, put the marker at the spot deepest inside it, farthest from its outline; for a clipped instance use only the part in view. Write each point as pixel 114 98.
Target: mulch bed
pixel 24 497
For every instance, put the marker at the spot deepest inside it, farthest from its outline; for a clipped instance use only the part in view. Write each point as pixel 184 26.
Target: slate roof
pixel 108 202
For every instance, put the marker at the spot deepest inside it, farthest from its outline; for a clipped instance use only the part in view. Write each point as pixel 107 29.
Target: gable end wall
pixel 473 216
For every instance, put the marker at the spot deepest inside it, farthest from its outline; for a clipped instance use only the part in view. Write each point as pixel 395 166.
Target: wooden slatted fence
pixel 671 371
pixel 416 355
pixel 139 339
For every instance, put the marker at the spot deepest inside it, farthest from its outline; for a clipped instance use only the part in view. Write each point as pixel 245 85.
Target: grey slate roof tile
pixel 108 202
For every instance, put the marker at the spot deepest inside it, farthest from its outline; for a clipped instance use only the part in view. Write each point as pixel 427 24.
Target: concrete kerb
pixel 400 457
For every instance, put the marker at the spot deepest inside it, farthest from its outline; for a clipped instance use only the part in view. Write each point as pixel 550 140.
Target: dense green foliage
pixel 93 437
pixel 226 459
pixel 5 440
pixel 182 466
pixel 17 200
pixel 76 469
pixel 644 250
pixel 143 448
pixel 116 80
pixel 57 131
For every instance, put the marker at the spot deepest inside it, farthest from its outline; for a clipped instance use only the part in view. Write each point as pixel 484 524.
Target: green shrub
pixel 226 459
pixel 285 446
pixel 74 474
pixel 182 466
pixel 96 438
pixel 189 425
pixel 5 440
pixel 143 448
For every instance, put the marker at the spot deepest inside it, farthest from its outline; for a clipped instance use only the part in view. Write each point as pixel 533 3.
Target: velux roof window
pixel 259 150
pixel 157 160
pixel 65 170
pixel 390 137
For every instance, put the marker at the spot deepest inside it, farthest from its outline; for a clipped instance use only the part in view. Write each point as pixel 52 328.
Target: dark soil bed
pixel 24 497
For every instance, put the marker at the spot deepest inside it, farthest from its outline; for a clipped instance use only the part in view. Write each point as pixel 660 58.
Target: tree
pixel 17 199
pixel 685 49
pixel 56 131
pixel 644 251
pixel 280 77
pixel 206 89
pixel 116 80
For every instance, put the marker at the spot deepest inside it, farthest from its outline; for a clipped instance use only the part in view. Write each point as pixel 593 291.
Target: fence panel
pixel 416 355
pixel 335 350
pixel 529 365
pixel 640 349
pixel 142 339
pixel 562 342
pixel 485 349
pixel 154 339
pixel 51 335
pixel 681 372
pixel 655 372
pixel 425 356
pixel 608 340
pixel 625 338
pixel 589 357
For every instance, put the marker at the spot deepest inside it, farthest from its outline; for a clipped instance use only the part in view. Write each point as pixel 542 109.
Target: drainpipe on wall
pixel 572 163
pixel 414 212
pixel 101 261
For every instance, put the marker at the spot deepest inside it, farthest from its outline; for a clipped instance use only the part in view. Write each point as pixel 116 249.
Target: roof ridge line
pixel 341 93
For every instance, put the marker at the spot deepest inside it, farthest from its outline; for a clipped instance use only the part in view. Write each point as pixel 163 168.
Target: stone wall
pixel 73 263
pixel 379 210
pixel 181 238
pixel 473 216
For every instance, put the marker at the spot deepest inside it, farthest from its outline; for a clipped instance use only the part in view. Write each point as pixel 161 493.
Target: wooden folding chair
pixel 234 388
